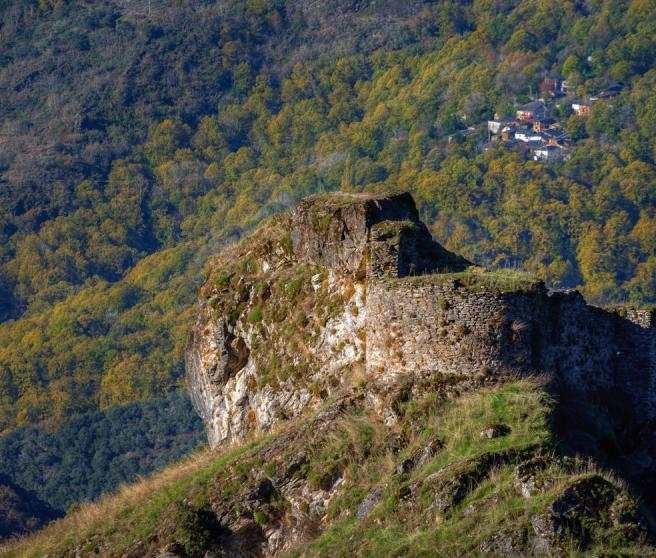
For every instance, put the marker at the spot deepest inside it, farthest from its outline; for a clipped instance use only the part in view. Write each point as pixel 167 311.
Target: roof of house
pixel 532 107
pixel 609 93
pixel 553 133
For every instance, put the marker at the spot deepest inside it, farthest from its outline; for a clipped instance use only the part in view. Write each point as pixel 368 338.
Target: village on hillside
pixel 532 131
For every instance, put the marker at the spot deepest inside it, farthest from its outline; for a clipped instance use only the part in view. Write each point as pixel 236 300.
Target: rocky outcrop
pixel 368 235
pixel 340 481
pixel 351 287
pixel 273 335
pixel 282 316
pixel 590 502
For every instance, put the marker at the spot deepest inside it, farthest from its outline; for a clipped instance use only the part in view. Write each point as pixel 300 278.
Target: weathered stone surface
pixel 334 229
pixel 449 486
pixel 389 325
pixel 423 455
pixel 170 551
pixel 369 503
pixel 404 467
pixel 495 431
pixel 432 325
pixel 591 502
pixel 269 515
pixel 510 544
pixel 529 479
pixel 376 235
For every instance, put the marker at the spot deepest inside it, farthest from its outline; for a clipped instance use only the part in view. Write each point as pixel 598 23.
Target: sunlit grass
pixel 132 512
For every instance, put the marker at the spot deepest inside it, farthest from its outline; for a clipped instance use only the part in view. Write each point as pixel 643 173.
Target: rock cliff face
pixel 352 288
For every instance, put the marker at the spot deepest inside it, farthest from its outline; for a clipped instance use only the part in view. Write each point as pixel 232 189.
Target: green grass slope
pixel 476 474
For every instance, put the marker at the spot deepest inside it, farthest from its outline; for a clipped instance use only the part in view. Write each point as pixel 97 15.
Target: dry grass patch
pixel 133 507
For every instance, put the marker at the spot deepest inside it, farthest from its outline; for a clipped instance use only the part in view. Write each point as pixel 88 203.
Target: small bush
pixel 196 530
pixel 222 282
pixel 462 330
pixel 255 315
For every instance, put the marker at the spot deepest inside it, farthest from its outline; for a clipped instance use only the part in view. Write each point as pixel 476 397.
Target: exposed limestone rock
pixel 371 500
pixel 266 515
pixel 494 431
pixel 591 502
pixel 449 486
pixel 529 480
pixel 424 454
pixel 352 288
pixel 510 544
pixel 313 264
pixel 532 476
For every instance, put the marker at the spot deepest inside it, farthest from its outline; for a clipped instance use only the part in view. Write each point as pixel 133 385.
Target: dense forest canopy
pixel 43 474
pixel 138 137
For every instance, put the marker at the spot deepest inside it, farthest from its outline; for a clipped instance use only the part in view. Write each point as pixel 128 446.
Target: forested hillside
pixel 43 474
pixel 137 137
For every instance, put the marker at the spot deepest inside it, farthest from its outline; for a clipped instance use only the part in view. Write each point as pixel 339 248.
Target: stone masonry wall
pixel 427 325
pixel 334 229
pixel 416 325
pixel 403 304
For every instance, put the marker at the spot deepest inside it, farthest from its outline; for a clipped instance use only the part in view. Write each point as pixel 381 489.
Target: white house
pixel 494 126
pixel 532 111
pixel 526 135
pixel 548 153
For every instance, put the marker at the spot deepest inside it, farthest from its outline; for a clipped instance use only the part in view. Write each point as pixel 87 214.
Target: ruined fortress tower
pixel 353 286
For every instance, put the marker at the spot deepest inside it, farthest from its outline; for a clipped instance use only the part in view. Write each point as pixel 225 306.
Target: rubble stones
pixel 495 431
pixel 587 503
pixel 369 503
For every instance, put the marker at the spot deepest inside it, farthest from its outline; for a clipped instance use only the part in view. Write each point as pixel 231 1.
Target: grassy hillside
pixel 123 168
pixel 480 473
